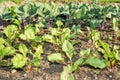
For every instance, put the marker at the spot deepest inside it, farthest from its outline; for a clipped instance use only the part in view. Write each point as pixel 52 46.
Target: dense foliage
pixel 21 40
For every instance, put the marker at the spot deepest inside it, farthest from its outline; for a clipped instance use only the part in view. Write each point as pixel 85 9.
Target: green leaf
pixel 19 61
pixel 95 35
pixel 55 31
pixel 95 23
pixel 117 55
pixel 80 12
pixel 29 34
pixel 59 23
pixel 22 36
pixel 115 24
pixel 10 31
pixel 48 38
pixel 2 50
pixel 66 74
pixel 55 57
pixel 17 22
pixel 36 62
pixel 6 50
pixel 84 53
pixel 39 51
pixel 68 48
pixel 106 48
pixel 9 50
pixel 65 34
pixel 77 63
pixel 76 29
pixel 95 62
pixel 23 49
pixel 38 39
pixel 2 41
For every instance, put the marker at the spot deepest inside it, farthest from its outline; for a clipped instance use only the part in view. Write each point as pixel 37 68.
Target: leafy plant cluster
pixel 22 40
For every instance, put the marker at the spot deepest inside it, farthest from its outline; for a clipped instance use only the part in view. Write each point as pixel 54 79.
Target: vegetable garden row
pixel 70 28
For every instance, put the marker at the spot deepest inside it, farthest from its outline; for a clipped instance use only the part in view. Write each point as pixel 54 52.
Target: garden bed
pixel 70 42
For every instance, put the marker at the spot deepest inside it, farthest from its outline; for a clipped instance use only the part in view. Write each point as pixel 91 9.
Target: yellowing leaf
pixel 23 49
pixel 19 61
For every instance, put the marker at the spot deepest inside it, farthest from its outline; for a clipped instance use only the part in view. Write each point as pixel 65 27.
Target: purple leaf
pixel 25 23
pixel 49 25
pixel 33 19
pixel 102 25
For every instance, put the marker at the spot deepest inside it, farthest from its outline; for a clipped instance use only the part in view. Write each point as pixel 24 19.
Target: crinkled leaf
pixel 10 31
pixel 28 34
pixel 19 61
pixel 95 62
pixel 39 51
pixel 23 49
pixel 6 50
pixel 9 50
pixel 22 36
pixel 55 57
pixel 55 31
pixel 48 38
